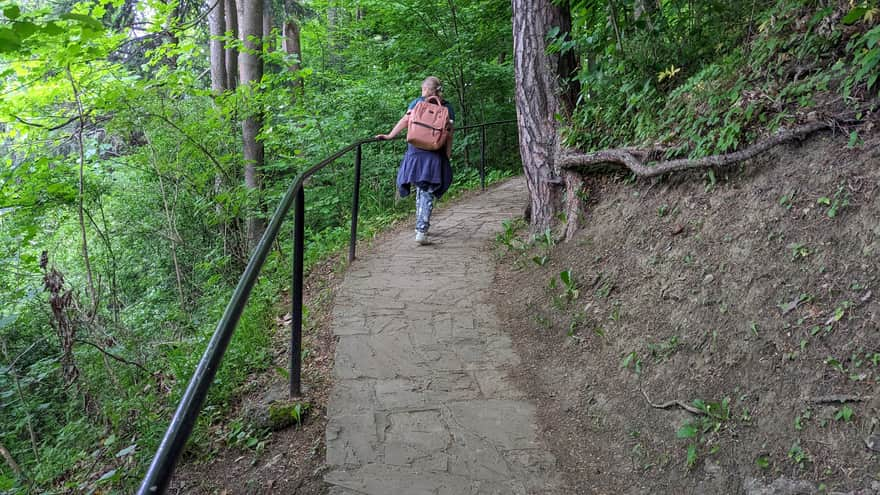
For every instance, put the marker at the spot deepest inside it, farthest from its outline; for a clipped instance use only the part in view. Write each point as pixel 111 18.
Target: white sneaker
pixel 421 238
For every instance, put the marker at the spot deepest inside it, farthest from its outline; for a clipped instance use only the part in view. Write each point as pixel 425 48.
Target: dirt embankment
pixel 752 299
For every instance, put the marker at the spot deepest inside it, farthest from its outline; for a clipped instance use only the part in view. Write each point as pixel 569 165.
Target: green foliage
pixel 569 285
pixel 837 202
pixel 706 78
pixel 714 416
pixel 632 360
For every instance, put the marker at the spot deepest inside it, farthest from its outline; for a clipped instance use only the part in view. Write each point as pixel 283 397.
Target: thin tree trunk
pixel 268 20
pixel 614 24
pixel 219 84
pixel 81 193
pixel 217 25
pixel 293 46
pixel 231 52
pixel 251 70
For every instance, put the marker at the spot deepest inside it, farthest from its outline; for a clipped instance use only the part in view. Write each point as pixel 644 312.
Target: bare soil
pixel 743 294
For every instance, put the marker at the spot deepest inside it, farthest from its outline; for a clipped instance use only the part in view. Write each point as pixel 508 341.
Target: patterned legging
pixel 424 205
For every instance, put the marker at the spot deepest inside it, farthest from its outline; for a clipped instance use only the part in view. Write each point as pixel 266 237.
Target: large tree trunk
pixel 537 105
pixel 251 70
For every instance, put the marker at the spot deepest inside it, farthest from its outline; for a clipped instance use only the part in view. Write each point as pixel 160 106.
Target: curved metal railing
pixel 162 467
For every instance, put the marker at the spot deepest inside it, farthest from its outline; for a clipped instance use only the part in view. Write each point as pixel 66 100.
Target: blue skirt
pixel 429 170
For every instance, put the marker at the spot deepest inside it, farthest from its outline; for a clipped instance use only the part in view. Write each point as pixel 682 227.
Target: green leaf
pixel 763 462
pixel 853 139
pixel 6 484
pixel 24 28
pixel 845 413
pixel 9 41
pixel 53 29
pixel 12 12
pixel 565 276
pixel 85 20
pixel 692 455
pixel 834 363
pixel 689 430
pixel 855 15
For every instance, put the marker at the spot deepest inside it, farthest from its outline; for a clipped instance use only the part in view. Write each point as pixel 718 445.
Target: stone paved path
pixel 422 403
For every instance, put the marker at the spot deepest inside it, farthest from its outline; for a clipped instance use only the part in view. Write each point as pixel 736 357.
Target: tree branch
pixel 197 144
pixel 113 356
pixel 53 128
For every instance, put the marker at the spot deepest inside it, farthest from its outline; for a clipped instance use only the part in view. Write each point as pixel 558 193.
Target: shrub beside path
pixel 422 402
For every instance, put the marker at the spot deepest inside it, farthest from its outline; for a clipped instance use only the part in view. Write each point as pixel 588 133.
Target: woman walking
pixel 429 171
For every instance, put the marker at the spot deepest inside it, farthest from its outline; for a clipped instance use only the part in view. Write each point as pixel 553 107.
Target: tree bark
pixel 537 104
pixel 231 53
pixel 268 21
pixel 251 69
pixel 293 46
pixel 217 25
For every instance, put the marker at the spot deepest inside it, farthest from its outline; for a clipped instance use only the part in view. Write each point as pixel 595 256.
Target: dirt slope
pixel 746 294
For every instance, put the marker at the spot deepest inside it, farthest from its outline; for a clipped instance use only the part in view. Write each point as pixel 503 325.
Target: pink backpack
pixel 428 124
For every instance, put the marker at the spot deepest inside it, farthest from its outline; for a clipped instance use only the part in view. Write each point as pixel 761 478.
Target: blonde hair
pixel 434 86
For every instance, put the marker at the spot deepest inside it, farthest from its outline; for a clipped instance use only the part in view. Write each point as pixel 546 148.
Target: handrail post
pixel 483 157
pixel 296 294
pixel 355 204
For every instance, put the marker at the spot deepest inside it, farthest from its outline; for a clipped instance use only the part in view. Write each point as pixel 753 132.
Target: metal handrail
pixel 162 466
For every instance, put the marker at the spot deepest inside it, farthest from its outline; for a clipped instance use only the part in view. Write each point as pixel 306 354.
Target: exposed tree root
pixel 641 161
pixel 635 159
pixel 671 403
